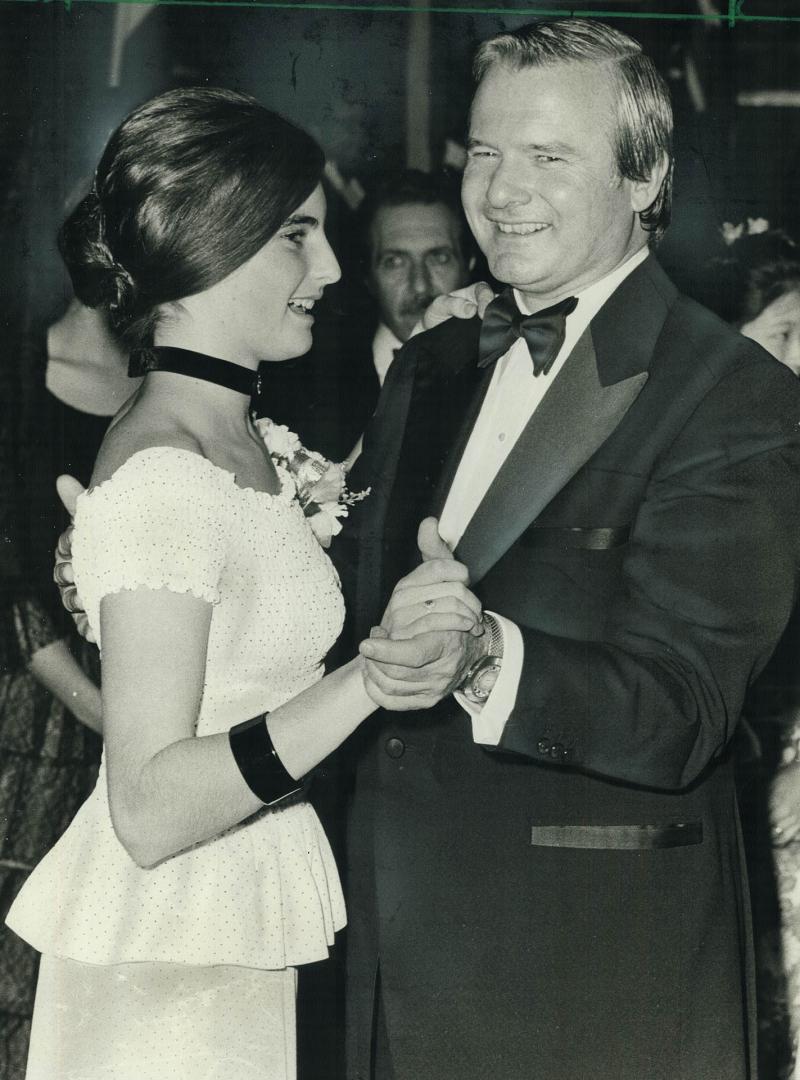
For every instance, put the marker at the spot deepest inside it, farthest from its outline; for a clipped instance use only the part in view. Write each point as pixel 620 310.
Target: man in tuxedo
pixel 412 246
pixel 545 871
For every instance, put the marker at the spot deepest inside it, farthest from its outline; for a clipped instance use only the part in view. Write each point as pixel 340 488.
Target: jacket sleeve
pixel 709 582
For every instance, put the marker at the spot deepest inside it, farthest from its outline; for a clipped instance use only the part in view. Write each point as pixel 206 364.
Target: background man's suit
pixel 572 904
pixel 328 395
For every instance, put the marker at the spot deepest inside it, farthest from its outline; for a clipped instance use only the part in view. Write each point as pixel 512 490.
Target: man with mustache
pixel 546 877
pixel 415 249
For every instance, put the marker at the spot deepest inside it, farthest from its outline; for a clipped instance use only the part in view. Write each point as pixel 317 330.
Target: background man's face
pixel 541 189
pixel 415 256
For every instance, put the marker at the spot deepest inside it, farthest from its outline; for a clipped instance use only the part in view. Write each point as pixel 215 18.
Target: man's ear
pixel 644 192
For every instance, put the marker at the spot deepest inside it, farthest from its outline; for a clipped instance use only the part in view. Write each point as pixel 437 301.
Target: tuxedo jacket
pixel 573 903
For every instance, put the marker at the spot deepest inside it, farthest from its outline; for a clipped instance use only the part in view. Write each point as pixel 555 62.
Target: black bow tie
pixel 543 331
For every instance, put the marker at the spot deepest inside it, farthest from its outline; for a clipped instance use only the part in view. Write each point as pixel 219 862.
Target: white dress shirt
pixel 384 346
pixel 513 396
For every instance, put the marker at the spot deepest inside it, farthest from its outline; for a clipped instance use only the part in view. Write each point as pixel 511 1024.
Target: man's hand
pixel 418 672
pixel 420 654
pixel 462 304
pixel 69 489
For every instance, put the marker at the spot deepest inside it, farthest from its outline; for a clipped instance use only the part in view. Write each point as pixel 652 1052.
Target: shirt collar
pixel 592 298
pixel 384 345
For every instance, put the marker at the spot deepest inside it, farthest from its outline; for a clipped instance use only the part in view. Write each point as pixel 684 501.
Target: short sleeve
pixel 159 522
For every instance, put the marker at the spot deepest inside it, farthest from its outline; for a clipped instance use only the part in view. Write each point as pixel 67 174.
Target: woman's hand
pixel 435 596
pixel 431 632
pixel 784 804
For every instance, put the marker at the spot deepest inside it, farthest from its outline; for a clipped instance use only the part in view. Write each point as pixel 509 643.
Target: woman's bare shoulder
pixel 130 435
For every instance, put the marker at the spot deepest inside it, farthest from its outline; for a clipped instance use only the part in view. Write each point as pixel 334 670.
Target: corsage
pixel 321 484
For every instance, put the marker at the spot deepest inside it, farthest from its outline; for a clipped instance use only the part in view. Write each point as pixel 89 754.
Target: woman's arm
pixel 56 668
pixel 167 788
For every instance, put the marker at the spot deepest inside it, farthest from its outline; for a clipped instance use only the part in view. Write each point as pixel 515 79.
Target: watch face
pixel 485 678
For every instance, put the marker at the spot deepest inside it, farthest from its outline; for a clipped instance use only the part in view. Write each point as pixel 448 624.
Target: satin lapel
pixel 576 415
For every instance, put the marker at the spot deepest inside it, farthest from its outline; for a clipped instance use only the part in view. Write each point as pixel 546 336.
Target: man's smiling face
pixel 541 190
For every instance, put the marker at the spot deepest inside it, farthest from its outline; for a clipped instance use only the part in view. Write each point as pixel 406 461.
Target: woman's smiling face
pixel 263 309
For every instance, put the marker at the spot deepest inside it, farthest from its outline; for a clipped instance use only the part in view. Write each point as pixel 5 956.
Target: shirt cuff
pixel 489 720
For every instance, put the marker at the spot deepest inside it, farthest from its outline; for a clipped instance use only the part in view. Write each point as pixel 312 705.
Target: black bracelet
pixel 258 761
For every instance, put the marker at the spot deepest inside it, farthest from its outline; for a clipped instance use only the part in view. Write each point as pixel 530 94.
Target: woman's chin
pixel 290 350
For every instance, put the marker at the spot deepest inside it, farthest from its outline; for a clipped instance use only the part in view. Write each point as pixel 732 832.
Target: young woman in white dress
pixel 173 913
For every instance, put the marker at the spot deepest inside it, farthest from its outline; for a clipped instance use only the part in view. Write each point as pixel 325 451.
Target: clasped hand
pixel 430 633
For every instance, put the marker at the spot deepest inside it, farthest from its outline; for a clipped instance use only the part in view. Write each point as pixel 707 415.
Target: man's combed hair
pixel 643 136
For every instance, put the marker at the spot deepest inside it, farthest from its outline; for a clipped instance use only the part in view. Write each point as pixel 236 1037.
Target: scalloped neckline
pixel 286 494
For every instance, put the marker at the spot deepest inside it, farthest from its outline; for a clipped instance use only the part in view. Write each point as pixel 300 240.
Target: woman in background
pixel 48 765
pixel 755 285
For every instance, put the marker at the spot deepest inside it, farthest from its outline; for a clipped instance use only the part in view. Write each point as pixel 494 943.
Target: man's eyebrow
pixel 540 148
pixel 550 148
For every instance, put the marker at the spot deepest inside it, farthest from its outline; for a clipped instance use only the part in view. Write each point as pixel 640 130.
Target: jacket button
pixel 543 746
pixel 395 747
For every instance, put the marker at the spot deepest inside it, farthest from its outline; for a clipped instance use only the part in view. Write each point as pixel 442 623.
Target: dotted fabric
pixel 266 892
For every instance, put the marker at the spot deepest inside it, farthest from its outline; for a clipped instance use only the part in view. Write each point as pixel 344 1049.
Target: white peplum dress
pixel 185 969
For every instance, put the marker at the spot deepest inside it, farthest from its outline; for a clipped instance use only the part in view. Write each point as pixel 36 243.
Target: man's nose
pixel 506 187
pixel 420 278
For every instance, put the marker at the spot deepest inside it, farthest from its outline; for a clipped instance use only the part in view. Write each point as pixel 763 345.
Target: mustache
pixel 417 306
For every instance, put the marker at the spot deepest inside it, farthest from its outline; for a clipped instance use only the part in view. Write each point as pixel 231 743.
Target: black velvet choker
pixel 197 365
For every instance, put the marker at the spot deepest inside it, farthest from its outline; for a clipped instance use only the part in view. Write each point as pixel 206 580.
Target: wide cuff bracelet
pixel 258 761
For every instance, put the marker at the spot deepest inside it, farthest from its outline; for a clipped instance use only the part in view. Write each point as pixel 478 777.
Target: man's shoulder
pixel 448 347
pixel 719 347
pixel 733 380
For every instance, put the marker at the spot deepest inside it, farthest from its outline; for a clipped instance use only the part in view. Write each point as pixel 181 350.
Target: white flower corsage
pixel 321 484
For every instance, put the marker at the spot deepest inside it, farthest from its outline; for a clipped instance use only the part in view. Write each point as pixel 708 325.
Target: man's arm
pixel 710 579
pixel 708 584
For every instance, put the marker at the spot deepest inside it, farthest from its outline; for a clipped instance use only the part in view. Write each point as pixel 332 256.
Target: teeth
pixel 524 229
pixel 305 306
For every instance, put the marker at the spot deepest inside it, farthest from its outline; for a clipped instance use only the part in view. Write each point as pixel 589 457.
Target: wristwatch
pixel 481 676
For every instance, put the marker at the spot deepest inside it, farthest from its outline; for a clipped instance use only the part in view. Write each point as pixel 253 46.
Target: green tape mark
pixel 735 13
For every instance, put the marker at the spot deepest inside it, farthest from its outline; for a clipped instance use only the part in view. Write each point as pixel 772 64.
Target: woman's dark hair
pixel 754 271
pixel 190 186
